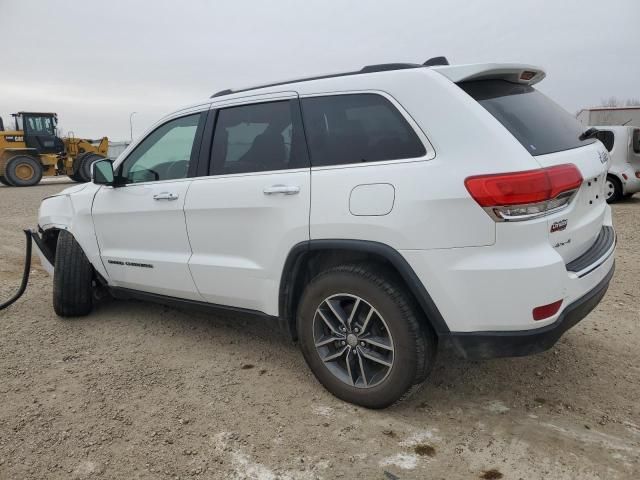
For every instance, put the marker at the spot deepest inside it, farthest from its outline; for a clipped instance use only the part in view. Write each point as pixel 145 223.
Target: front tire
pixel 613 189
pixel 363 336
pixel 84 161
pixel 23 171
pixel 72 279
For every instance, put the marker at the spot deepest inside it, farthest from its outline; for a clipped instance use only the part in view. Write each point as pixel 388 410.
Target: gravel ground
pixel 144 391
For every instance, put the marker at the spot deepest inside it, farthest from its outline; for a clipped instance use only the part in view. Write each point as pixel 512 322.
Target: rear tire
pixel 23 171
pixel 84 162
pixel 613 189
pixel 397 323
pixel 76 178
pixel 72 279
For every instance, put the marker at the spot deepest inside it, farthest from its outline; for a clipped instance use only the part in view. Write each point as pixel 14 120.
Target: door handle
pixel 165 196
pixel 283 189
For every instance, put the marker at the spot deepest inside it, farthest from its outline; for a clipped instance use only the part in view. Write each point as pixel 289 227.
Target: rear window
pixel 539 124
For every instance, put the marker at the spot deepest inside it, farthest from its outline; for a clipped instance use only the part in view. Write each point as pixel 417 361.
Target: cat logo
pixel 559 225
pixel 14 138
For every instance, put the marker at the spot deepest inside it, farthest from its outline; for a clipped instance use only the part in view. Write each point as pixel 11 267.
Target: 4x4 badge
pixel 559 225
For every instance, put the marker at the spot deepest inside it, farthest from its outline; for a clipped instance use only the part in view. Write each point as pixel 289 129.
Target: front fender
pixel 71 211
pixel 56 212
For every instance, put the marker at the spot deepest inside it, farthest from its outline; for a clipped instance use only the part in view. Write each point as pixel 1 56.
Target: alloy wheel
pixel 610 189
pixel 353 340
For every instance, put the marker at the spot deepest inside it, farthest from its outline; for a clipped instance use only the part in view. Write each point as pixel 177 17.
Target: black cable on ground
pixel 25 274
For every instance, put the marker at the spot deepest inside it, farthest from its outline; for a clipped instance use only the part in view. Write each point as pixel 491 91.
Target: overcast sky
pixel 96 61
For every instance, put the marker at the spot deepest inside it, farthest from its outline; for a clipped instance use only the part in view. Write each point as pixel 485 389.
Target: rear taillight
pixel 525 195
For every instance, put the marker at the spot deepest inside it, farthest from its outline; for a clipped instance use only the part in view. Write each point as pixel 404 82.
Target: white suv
pixel 377 215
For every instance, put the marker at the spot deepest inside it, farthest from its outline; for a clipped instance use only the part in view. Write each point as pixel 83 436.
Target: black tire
pixel 613 189
pixel 23 171
pixel 4 181
pixel 76 178
pixel 72 279
pixel 83 162
pixel 413 342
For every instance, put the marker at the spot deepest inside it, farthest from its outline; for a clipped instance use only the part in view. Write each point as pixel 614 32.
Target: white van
pixel 623 143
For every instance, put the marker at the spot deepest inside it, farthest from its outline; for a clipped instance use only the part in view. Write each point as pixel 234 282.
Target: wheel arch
pixel 307 259
pixel 60 212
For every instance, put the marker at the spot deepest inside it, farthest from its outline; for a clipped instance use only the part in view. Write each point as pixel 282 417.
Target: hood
pixel 71 190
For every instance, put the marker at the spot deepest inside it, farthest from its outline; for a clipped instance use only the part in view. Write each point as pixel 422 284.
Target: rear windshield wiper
pixel 590 133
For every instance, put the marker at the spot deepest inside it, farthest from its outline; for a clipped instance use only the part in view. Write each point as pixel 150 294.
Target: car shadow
pixel 454 382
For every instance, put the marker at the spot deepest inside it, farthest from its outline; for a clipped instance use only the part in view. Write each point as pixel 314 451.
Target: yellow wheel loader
pixel 33 150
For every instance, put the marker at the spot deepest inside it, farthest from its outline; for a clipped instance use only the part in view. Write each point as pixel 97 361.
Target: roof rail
pixel 386 67
pixel 382 67
pixel 222 92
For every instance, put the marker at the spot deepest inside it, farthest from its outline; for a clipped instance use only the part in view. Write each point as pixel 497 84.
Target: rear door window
pixel 258 137
pixel 538 123
pixel 354 128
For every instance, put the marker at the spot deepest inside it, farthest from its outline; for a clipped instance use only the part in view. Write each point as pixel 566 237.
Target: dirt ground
pixel 144 391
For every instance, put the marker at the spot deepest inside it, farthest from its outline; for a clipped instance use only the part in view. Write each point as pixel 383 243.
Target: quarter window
pixel 258 137
pixel 166 153
pixel 636 141
pixel 357 128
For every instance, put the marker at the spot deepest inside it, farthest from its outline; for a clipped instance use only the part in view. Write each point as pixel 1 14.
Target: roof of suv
pixel 513 72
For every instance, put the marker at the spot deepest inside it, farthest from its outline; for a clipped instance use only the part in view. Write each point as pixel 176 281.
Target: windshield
pixel 539 124
pixel 40 125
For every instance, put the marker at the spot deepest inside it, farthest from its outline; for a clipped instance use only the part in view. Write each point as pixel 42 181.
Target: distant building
pixel 610 116
pixel 116 148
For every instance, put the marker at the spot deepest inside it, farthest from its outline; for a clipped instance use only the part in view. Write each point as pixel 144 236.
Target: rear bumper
pixel 480 345
pixel 632 183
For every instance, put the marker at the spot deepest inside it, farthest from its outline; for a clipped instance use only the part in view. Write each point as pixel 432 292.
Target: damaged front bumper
pixel 47 258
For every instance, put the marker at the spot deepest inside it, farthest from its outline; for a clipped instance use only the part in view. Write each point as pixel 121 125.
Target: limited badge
pixel 559 225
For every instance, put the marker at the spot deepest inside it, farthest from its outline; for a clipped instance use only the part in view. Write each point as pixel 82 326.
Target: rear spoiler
pixel 511 72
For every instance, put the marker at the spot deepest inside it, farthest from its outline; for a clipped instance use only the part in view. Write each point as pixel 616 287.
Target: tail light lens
pixel 525 195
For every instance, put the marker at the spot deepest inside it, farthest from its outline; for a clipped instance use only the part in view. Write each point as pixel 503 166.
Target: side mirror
pixel 102 172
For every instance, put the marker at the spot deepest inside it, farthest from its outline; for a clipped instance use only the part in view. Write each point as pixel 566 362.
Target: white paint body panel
pixel 372 199
pixel 131 226
pixel 241 237
pixel 71 210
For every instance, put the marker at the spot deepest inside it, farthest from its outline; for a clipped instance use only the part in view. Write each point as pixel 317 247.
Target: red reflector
pixel 527 75
pixel 546 311
pixel 637 174
pixel 520 188
pixel 624 175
